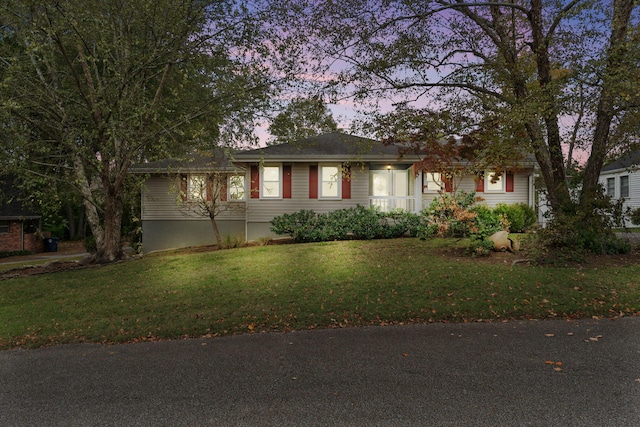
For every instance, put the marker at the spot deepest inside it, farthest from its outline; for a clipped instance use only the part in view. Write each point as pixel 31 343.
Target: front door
pixel 390 189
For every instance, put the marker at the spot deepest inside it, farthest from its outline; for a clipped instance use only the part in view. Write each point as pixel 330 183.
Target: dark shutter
pixel 255 182
pixel 313 181
pixel 183 187
pixel 346 182
pixel 286 181
pixel 480 183
pixel 223 187
pixel 510 182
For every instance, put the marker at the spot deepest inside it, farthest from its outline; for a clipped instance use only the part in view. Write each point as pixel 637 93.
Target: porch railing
pixel 389 203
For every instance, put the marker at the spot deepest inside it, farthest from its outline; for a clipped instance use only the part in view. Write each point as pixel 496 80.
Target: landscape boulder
pixel 502 242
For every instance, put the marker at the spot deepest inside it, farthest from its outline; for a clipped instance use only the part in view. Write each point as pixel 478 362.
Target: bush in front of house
pixel 448 215
pixel 520 216
pixel 342 224
pixel 455 215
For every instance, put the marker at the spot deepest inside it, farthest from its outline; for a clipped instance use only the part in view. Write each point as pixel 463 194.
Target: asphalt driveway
pixel 534 373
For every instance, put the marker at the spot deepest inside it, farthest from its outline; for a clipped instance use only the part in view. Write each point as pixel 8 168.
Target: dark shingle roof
pixel 626 161
pixel 11 206
pixel 335 145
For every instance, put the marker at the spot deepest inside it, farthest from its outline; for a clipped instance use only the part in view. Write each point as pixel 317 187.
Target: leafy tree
pixel 89 88
pixel 512 72
pixel 302 118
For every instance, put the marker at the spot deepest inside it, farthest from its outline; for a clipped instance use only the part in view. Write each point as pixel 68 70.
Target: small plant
pixel 480 247
pixel 230 242
pixel 264 241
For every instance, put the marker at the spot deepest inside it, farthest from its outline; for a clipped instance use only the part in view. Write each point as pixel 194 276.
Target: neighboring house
pixel 621 180
pixel 322 174
pixel 19 225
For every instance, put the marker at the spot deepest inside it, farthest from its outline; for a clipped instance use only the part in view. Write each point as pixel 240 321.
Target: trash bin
pixel 51 244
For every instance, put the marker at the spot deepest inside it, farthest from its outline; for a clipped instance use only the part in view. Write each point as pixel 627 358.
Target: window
pixel 494 182
pixel 432 182
pixel 31 226
pixel 271 182
pixel 235 187
pixel 611 187
pixel 196 187
pixel 4 226
pixel 330 180
pixel 624 186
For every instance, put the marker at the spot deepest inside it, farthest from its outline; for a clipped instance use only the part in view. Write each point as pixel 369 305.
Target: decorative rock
pixel 502 242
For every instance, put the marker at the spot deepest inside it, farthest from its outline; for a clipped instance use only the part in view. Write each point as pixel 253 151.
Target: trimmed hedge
pixel 343 224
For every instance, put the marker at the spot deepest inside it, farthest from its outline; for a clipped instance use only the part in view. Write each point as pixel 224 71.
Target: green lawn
pixel 288 287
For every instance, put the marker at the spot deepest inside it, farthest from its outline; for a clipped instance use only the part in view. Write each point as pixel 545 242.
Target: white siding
pixel 263 211
pixel 520 192
pixel 633 201
pixel 160 201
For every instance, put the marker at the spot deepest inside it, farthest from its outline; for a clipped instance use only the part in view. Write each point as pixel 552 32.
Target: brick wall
pixel 12 241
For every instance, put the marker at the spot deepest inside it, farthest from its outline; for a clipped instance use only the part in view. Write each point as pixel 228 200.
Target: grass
pixel 292 287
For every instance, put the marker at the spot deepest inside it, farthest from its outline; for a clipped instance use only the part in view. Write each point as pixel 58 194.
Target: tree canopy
pixel 551 78
pixel 88 88
pixel 302 118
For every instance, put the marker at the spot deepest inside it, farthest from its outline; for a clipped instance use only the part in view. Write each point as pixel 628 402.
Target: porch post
pixel 417 193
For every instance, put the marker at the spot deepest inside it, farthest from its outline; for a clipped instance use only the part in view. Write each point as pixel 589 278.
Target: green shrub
pixel 480 247
pixel 356 223
pixel 530 216
pixel 575 230
pixel 448 215
pixel 487 222
pixel 230 242
pixel 6 254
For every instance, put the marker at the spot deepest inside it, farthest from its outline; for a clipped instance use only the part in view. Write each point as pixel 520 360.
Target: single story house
pixel 323 173
pixel 621 180
pixel 19 225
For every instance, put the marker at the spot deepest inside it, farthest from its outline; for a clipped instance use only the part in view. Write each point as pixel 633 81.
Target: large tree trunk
pixel 111 247
pixel 106 232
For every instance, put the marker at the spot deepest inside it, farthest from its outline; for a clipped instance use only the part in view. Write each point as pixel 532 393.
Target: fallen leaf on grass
pixel 593 339
pixel 549 335
pixel 405 354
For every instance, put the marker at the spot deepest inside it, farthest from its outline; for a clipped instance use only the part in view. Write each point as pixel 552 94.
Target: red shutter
pixel 480 184
pixel 448 184
pixel 183 187
pixel 510 182
pixel 209 186
pixel 313 181
pixel 286 181
pixel 255 182
pixel 346 182
pixel 223 188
